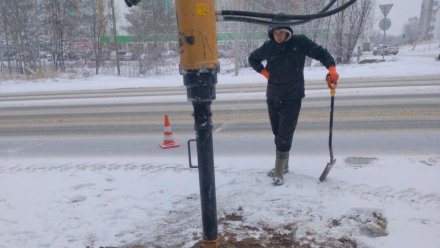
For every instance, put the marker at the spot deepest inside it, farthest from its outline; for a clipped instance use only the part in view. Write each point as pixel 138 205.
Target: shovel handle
pixel 329 82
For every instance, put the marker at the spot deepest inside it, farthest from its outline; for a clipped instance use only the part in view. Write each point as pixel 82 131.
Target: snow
pixel 406 63
pixel 71 202
pixel 378 199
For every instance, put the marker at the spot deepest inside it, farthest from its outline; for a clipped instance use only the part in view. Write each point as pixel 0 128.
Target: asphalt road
pixel 406 117
pixel 84 112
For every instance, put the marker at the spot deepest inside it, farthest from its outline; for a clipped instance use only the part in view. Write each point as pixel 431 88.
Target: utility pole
pixel 237 49
pixel 115 42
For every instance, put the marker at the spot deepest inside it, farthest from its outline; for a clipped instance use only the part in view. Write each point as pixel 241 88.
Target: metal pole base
pixel 211 244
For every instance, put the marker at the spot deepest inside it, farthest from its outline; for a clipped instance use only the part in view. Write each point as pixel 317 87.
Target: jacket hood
pixel 287 29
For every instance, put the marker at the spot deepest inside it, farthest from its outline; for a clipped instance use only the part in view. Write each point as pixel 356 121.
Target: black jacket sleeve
pixel 257 56
pixel 317 52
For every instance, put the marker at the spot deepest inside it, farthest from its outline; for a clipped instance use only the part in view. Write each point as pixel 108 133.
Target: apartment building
pixel 430 19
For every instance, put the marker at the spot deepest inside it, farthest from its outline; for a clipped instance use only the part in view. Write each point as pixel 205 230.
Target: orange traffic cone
pixel 168 141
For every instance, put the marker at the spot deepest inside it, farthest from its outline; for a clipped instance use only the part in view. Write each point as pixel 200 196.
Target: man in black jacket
pixel 285 56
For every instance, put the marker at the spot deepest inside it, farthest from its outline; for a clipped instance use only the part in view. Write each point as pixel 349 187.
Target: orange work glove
pixel 265 73
pixel 332 78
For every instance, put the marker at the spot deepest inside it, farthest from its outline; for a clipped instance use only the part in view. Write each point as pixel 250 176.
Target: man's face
pixel 279 36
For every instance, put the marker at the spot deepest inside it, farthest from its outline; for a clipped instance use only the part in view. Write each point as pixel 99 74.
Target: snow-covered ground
pixel 369 200
pixel 385 201
pixel 407 63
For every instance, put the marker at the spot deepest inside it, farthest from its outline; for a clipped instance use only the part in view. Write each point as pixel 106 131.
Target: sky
pixel 401 11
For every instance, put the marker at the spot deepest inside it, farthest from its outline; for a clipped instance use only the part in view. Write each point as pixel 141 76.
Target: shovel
pixel 330 147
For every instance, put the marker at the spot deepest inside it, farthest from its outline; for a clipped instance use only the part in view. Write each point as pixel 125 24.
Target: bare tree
pixel 246 36
pixel 55 21
pixel 313 29
pixel 151 24
pixel 348 27
pixel 411 31
pixel 239 39
pixel 99 28
pixel 5 26
pixel 20 23
pixel 281 6
pixel 17 28
pixel 350 24
pixel 62 18
pixel 114 32
pixel 139 30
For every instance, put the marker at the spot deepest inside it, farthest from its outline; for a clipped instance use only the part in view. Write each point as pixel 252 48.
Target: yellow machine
pixel 197 33
pixel 199 65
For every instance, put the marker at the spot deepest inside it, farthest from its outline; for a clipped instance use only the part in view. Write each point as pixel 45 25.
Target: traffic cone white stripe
pixel 168 141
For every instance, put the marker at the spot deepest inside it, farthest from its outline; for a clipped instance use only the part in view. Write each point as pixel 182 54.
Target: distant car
pixel 71 56
pixel 122 55
pixel 386 50
pixel 43 54
pixel 8 55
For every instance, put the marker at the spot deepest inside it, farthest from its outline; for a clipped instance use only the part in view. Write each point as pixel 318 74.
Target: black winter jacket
pixel 285 64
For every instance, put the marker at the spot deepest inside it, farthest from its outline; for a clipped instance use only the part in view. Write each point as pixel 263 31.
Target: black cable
pixel 131 2
pixel 267 22
pixel 253 20
pixel 261 21
pixel 238 13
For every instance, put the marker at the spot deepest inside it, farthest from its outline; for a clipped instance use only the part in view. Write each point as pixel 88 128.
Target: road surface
pixel 381 115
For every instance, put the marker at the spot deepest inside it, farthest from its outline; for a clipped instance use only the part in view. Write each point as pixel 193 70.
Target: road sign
pixel 385 8
pixel 385 24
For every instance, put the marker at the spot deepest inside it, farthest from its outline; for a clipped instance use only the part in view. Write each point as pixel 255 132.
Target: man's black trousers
pixel 283 115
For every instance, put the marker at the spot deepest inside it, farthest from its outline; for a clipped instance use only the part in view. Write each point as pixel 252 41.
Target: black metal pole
pixel 201 91
pixel 205 155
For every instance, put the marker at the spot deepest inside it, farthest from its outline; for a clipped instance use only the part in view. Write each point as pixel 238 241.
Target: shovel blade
pixel 327 170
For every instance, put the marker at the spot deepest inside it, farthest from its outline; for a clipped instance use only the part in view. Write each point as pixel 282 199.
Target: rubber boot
pixel 280 166
pixel 271 172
